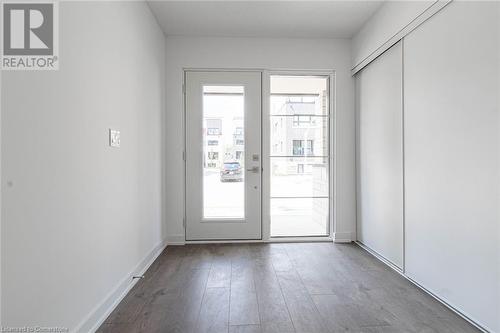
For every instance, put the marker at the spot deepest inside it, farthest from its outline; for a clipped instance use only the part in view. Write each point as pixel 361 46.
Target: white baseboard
pixel 178 239
pixel 99 314
pixel 342 237
pixel 380 257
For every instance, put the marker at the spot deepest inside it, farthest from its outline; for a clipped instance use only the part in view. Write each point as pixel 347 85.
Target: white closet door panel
pixel 380 156
pixel 452 154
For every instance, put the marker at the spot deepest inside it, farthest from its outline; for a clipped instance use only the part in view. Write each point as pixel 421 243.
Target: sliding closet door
pixel 380 156
pixel 452 155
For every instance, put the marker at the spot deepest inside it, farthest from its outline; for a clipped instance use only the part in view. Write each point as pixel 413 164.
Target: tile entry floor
pixel 292 287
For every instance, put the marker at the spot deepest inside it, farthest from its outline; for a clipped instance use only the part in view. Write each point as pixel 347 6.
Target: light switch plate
pixel 114 138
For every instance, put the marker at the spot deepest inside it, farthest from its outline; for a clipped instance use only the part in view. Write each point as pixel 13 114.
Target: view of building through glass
pixel 299 154
pixel 223 152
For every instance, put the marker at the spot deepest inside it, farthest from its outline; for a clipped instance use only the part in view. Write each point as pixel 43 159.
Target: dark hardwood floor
pixel 294 287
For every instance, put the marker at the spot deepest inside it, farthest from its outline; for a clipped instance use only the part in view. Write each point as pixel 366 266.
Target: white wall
pixel 379 150
pixel 185 52
pixel 79 216
pixel 392 17
pixel 452 150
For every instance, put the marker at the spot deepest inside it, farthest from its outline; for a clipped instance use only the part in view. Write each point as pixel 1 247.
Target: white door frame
pixel 246 224
pixel 265 179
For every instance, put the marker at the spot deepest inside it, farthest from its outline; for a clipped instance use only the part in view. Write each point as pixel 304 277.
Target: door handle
pixel 254 169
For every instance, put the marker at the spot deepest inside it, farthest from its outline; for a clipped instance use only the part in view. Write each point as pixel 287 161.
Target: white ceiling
pixel 309 19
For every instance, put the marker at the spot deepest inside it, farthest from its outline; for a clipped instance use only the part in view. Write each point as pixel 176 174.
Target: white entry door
pixel 223 155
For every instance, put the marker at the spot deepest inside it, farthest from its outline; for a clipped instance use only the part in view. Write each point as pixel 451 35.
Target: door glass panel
pixel 223 152
pixel 299 95
pixel 299 135
pixel 299 177
pixel 294 217
pixel 299 155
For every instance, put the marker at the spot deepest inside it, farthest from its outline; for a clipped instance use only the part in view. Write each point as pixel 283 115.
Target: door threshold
pixel 300 239
pixel 224 241
pixel 310 239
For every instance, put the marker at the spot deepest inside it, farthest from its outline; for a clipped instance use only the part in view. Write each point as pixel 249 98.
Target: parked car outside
pixel 231 171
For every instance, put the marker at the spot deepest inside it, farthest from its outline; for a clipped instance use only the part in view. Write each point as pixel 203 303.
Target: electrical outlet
pixel 114 138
